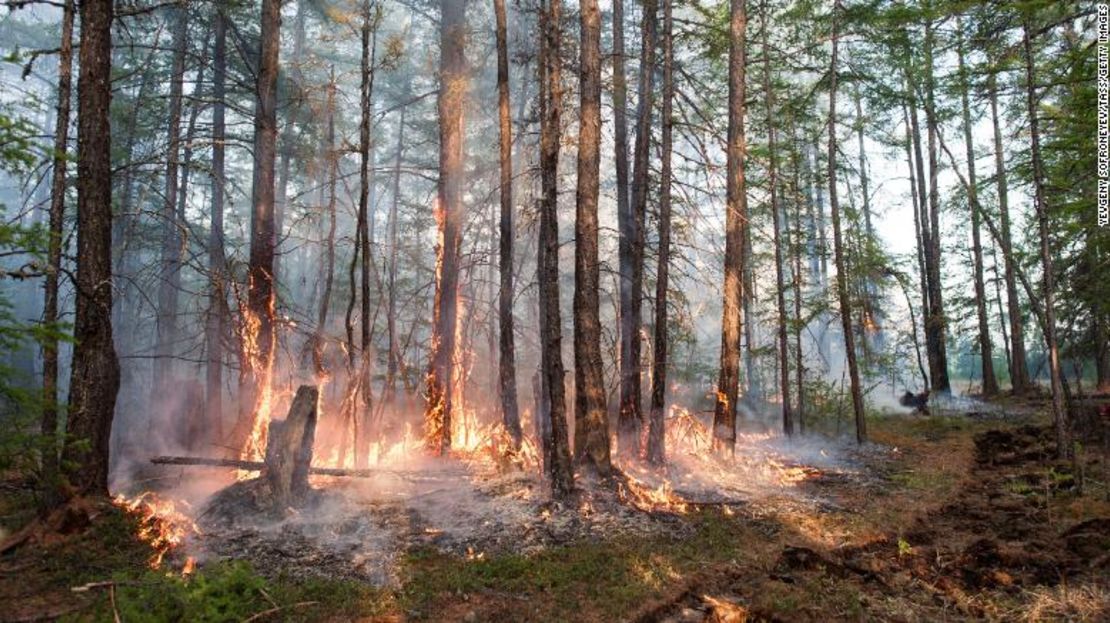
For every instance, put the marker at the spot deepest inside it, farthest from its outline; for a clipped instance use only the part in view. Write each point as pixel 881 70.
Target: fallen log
pixel 255 466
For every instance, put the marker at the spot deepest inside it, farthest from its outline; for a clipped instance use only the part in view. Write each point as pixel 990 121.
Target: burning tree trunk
pixel 591 433
pixel 990 383
pixel 838 250
pixel 1059 412
pixel 551 340
pixel 215 326
pixel 656 438
pixel 776 219
pixel 95 376
pixel 54 248
pixel 506 367
pixel 170 270
pixel 728 381
pixel 1019 369
pixel 449 215
pixel 258 318
pixel 630 418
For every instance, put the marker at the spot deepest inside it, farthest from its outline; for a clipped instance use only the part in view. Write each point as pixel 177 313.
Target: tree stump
pixel 289 449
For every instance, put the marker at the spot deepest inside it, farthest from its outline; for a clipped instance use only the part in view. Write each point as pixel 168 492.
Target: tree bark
pixel 657 434
pixel 551 358
pixel 361 415
pixel 796 281
pixel 935 326
pixel 54 248
pixel 1019 368
pixel 591 432
pixel 990 382
pixel 169 282
pixel 256 375
pixel 506 368
pixel 776 220
pixel 838 250
pixel 215 323
pixel 1059 412
pixel 394 357
pixel 728 380
pixel 95 374
pixel 630 417
pixel 449 215
pixel 332 163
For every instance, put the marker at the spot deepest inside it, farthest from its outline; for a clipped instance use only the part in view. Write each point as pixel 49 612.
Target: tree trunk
pixel 394 357
pixel 630 418
pixel 728 380
pixel 990 382
pixel 506 368
pixel 1059 412
pixel 919 245
pixel 288 138
pixel 559 467
pixel 332 163
pixel 215 323
pixel 449 216
pixel 796 281
pixel 591 433
pixel 935 326
pixel 656 438
pixel 170 272
pixel 776 220
pixel 256 375
pixel 361 415
pixel 95 374
pixel 1019 368
pixel 54 248
pixel 838 251
pixel 620 161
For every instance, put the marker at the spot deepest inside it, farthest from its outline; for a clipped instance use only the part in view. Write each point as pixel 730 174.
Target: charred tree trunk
pixel 215 323
pixel 776 220
pixel 95 375
pixel 838 250
pixel 656 438
pixel 1059 412
pixel 559 466
pixel 257 367
pixel 449 216
pixel 630 418
pixel 728 380
pixel 170 270
pixel 54 247
pixel 990 382
pixel 1019 368
pixel 506 368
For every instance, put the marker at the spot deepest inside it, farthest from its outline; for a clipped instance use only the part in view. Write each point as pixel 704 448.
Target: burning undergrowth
pixel 481 500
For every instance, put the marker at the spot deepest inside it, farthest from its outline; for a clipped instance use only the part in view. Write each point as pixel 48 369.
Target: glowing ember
pixel 161 525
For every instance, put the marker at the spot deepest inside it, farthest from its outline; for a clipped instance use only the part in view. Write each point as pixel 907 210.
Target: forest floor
pixel 957 516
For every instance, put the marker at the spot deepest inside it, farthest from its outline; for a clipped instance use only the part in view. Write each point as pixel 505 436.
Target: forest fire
pixel 162 524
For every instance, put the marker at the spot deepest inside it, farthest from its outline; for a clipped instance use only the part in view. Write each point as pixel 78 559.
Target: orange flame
pixel 161 524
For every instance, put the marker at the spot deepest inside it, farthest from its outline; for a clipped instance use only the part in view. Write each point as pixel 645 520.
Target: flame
pixel 161 524
pixel 660 499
